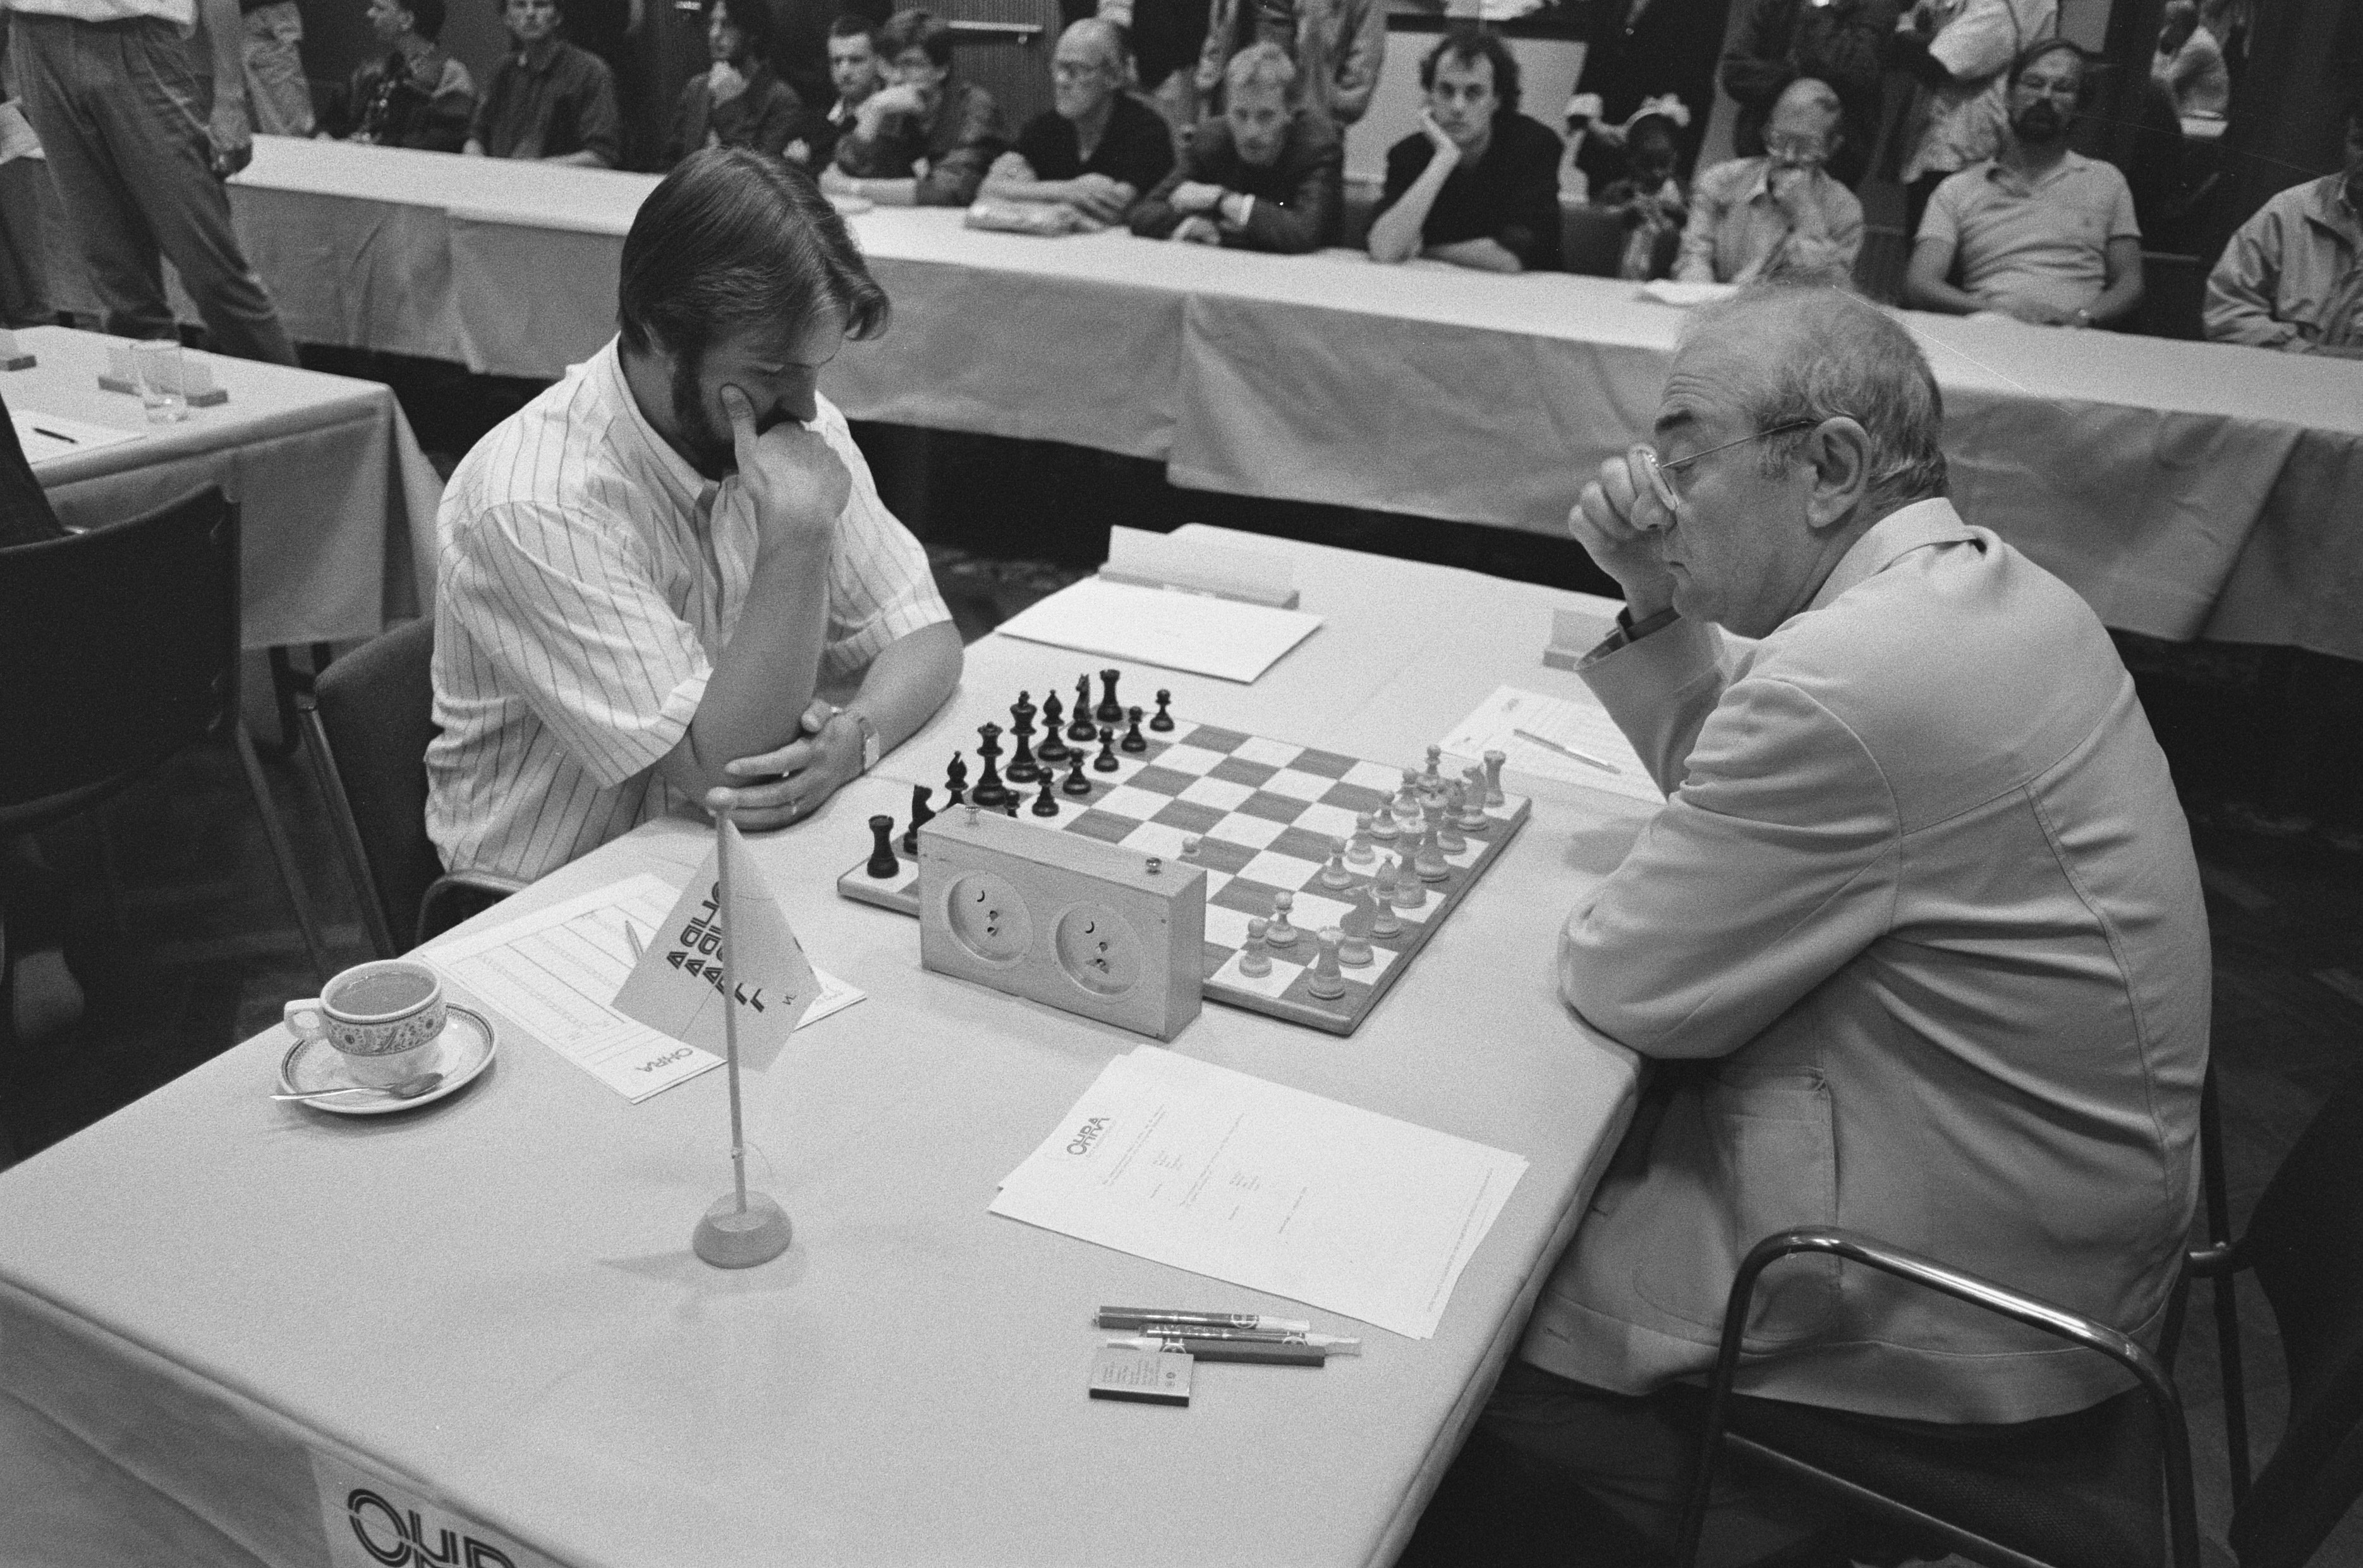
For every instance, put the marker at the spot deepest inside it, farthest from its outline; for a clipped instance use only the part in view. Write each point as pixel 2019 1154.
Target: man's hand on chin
pixel 1618 520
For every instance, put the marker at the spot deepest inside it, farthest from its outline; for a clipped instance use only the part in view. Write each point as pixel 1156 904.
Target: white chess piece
pixel 1280 933
pixel 1324 982
pixel 1335 873
pixel 1254 962
pixel 1359 851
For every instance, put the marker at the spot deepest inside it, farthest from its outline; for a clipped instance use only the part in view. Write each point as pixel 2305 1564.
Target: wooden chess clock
pixel 1083 926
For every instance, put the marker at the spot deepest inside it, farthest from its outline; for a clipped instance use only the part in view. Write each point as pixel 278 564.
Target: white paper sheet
pixel 1193 633
pixel 1581 725
pixel 47 438
pixel 1224 1175
pixel 555 973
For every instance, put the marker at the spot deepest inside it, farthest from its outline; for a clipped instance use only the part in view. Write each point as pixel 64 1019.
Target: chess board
pixel 1265 812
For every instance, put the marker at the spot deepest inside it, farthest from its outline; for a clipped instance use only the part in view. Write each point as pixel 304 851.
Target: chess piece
pixel 1449 837
pixel 1493 795
pixel 1335 873
pixel 1164 720
pixel 1105 762
pixel 920 816
pixel 1433 778
pixel 1023 769
pixel 1383 922
pixel 1110 711
pixel 1407 802
pixel 1410 892
pixel 1134 741
pixel 1254 962
pixel 1354 951
pixel 1280 933
pixel 1324 982
pixel 1359 851
pixel 1191 845
pixel 956 782
pixel 1469 815
pixel 882 863
pixel 1053 750
pixel 1076 783
pixel 1427 861
pixel 989 791
pixel 1383 822
pixel 1083 729
pixel 1046 803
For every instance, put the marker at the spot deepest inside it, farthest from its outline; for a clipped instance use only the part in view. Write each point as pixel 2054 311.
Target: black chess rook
pixel 882 863
pixel 1110 710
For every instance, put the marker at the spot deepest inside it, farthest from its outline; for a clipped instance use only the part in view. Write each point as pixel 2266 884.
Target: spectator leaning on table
pixel 547 99
pixel 270 33
pixel 924 138
pixel 647 573
pixel 1478 183
pixel 139 144
pixel 1961 52
pixel 1336 46
pixel 1834 42
pixel 416 95
pixel 1912 956
pixel 2038 233
pixel 740 102
pixel 1780 215
pixel 1265 175
pixel 2190 63
pixel 2292 276
pixel 1098 149
pixel 853 74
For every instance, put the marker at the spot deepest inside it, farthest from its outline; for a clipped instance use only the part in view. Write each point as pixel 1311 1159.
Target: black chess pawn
pixel 1054 749
pixel 1047 802
pixel 1163 721
pixel 1076 783
pixel 1105 761
pixel 921 815
pixel 1083 729
pixel 955 781
pixel 1134 741
pixel 989 791
pixel 1110 710
pixel 882 863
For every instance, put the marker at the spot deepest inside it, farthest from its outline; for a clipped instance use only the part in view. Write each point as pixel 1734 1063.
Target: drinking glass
pixel 158 363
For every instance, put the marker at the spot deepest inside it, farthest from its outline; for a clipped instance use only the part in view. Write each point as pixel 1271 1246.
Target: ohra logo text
pixel 397 1538
pixel 699 942
pixel 1087 1135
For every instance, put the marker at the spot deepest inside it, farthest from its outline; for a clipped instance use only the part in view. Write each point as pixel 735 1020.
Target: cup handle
pixel 304 1020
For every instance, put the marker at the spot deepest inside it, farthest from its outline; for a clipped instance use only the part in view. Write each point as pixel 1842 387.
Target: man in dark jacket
pixel 740 101
pixel 414 95
pixel 1478 183
pixel 1265 176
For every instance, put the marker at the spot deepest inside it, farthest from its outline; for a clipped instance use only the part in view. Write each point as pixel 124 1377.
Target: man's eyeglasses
pixel 1662 472
pixel 1797 149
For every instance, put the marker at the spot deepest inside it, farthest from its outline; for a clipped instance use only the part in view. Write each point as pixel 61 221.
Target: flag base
pixel 732 1237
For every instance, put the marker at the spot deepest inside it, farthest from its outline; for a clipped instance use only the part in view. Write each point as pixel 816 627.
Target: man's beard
pixel 711 452
pixel 2039 123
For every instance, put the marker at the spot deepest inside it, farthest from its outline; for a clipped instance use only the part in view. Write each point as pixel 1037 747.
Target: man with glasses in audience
pixel 1097 148
pixel 2038 233
pixel 1915 946
pixel 924 138
pixel 1780 215
pixel 1265 175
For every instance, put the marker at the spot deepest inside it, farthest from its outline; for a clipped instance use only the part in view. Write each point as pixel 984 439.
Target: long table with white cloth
pixel 221 1319
pixel 2188 490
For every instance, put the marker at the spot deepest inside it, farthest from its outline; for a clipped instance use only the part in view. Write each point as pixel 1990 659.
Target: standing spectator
pixel 1478 183
pixel 1962 51
pixel 270 31
pixel 2292 276
pixel 548 99
pixel 1835 42
pixel 138 149
pixel 740 102
pixel 418 95
pixel 2190 63
pixel 1336 46
pixel 1780 215
pixel 23 240
pixel 923 140
pixel 1650 197
pixel 2040 234
pixel 1265 175
pixel 1098 149
pixel 853 73
pixel 1641 50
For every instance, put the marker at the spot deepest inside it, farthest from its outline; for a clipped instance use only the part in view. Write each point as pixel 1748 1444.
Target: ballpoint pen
pixel 1327 1344
pixel 1605 767
pixel 1263 1352
pixel 1138 1318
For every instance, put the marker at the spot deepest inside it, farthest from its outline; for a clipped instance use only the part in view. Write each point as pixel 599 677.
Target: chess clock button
pixel 986 915
pixel 1098 949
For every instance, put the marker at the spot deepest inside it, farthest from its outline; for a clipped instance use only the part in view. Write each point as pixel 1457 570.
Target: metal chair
pixel 2079 1491
pixel 367 721
pixel 121 648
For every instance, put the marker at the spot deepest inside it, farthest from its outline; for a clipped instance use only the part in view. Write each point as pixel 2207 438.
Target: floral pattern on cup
pixel 379 1048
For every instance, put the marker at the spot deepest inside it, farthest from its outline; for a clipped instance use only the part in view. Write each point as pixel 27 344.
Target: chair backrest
pixel 1591 240
pixel 2306 1242
pixel 376 709
pixel 119 647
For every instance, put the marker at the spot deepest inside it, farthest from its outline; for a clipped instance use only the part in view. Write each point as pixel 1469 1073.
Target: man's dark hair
pixel 425 17
pixel 734 238
pixel 753 21
pixel 1470 43
pixel 907 31
pixel 851 24
pixel 2087 72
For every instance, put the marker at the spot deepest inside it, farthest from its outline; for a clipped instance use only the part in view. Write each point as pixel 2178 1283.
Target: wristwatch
pixel 869 737
pixel 2083 317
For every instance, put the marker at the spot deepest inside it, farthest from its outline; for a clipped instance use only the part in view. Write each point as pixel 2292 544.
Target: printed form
pixel 555 973
pixel 1212 1171
pixel 1551 738
pixel 1170 628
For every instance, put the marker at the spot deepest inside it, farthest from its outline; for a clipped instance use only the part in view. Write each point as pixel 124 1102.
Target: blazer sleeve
pixel 2242 288
pixel 444 127
pixel 776 125
pixel 1153 217
pixel 597 123
pixel 952 179
pixel 1309 218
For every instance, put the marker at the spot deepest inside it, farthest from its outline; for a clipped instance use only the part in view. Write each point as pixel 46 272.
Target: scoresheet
pixel 1554 739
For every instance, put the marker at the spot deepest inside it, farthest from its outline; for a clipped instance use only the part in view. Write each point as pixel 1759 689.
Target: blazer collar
pixel 1898 534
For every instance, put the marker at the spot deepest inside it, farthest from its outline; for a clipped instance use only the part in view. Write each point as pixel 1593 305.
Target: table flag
pixel 676 987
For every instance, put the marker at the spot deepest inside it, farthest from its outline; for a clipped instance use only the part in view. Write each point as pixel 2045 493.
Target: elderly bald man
pixel 1780 215
pixel 1097 148
pixel 1915 945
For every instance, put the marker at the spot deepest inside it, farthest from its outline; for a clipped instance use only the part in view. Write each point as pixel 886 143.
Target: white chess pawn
pixel 1410 892
pixel 1191 844
pixel 1254 962
pixel 1383 922
pixel 1335 873
pixel 1359 851
pixel 1280 933
pixel 1447 827
pixel 1381 822
pixel 1434 777
pixel 1427 861
pixel 1324 982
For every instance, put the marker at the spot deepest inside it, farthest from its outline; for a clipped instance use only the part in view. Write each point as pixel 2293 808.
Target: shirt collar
pixel 640 445
pixel 1901 531
pixel 539 57
pixel 2332 210
pixel 2000 173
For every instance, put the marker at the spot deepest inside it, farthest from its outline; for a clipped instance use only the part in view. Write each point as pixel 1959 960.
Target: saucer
pixel 463 1050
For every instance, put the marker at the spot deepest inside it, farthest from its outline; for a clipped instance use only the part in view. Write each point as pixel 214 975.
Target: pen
pixel 1263 1355
pixel 1156 1318
pixel 1329 1344
pixel 1567 750
pixel 56 436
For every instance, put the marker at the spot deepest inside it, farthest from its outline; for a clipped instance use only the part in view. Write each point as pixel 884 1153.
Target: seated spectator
pixel 547 98
pixel 415 95
pixel 2292 276
pixel 1780 215
pixel 2190 63
pixel 1097 150
pixel 1650 197
pixel 1478 183
pixel 1336 46
pixel 740 102
pixel 1835 42
pixel 1266 174
pixel 924 139
pixel 1961 53
pixel 854 72
pixel 2039 233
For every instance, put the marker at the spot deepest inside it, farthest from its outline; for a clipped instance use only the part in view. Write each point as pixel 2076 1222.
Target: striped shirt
pixel 588 579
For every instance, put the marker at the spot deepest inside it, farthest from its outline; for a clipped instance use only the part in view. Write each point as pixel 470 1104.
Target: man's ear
pixel 1839 451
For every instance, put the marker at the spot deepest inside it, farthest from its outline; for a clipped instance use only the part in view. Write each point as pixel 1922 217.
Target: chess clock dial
pixel 986 915
pixel 1098 949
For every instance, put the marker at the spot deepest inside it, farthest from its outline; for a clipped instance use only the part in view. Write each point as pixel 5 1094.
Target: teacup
pixel 383 1017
